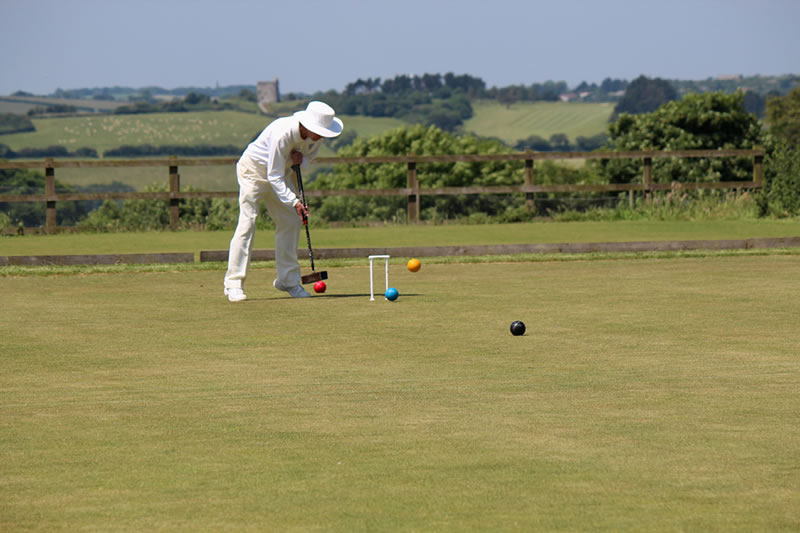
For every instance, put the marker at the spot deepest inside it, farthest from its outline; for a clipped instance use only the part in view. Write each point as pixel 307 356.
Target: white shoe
pixel 295 292
pixel 235 295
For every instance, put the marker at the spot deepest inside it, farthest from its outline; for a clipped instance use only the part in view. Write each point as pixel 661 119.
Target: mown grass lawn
pixel 647 394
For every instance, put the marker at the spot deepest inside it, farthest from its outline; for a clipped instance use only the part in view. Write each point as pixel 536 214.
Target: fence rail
pixel 413 190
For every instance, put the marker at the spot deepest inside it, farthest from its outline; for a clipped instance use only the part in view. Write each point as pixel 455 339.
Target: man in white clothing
pixel 264 171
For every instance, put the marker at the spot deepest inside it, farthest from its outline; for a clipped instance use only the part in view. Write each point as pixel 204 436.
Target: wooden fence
pixel 413 191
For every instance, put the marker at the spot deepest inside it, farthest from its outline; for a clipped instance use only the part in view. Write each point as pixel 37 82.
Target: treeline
pixel 443 86
pixel 48 151
pixel 191 102
pixel 559 142
pixel 52 109
pixel 194 150
pixel 142 93
pixel 13 123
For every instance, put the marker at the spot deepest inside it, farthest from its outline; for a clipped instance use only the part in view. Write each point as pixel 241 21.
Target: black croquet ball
pixel 517 328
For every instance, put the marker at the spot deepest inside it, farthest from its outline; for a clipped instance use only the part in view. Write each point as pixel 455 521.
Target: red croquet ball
pixel 320 287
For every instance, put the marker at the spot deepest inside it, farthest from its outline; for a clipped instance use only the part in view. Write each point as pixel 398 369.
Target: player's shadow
pixel 365 296
pixel 404 295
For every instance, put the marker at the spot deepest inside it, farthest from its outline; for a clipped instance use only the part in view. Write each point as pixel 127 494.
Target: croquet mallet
pixel 314 276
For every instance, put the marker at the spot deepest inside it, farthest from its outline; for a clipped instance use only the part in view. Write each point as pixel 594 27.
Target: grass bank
pixel 411 235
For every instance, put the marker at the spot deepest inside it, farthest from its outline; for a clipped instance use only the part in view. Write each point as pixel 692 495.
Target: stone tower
pixel 268 93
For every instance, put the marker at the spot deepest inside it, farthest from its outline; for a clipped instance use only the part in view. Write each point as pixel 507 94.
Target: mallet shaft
pixel 296 169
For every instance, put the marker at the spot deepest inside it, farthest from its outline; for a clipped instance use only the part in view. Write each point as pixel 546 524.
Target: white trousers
pixel 253 188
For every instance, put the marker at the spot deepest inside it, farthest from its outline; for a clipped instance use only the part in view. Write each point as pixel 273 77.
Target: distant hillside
pixel 22 104
pixel 103 132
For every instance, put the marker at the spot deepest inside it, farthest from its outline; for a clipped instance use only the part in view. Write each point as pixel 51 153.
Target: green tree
pixel 31 214
pixel 153 215
pixel 699 121
pixel 644 95
pixel 588 144
pixel 509 95
pixel 783 116
pixel 533 142
pixel 560 142
pixel 754 103
pixel 419 140
pixel 780 195
pixel 13 123
pixel 193 98
pixel 345 139
pixel 247 94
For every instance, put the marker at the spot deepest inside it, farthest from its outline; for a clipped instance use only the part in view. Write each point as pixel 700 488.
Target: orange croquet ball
pixel 414 265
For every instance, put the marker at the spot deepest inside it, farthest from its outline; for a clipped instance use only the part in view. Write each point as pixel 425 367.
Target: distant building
pixel 268 93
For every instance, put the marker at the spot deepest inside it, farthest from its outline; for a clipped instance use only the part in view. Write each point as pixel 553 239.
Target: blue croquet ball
pixel 391 294
pixel 517 328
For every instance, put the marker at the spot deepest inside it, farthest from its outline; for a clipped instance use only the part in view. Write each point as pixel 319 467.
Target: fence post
pixel 174 187
pixel 648 175
pixel 530 201
pixel 413 198
pixel 758 168
pixel 50 191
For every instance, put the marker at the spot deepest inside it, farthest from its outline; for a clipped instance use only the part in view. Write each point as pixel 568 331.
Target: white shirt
pixel 272 149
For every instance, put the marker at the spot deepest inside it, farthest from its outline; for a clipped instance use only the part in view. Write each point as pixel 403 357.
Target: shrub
pixel 699 121
pixel 671 205
pixel 780 195
pixel 13 123
pixel 149 215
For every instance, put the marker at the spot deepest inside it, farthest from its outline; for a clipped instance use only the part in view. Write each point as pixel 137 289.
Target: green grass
pixel 412 235
pixel 650 395
pixel 523 119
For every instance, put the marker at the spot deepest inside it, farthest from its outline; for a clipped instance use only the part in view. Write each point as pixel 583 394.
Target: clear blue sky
pixel 313 45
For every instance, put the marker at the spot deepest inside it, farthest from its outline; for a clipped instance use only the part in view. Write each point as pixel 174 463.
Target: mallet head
pixel 314 277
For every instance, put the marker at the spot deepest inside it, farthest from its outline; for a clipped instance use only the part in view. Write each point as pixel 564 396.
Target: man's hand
pixel 302 212
pixel 297 157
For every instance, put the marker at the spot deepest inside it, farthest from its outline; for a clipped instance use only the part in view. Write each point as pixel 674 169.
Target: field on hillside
pixel 523 119
pixel 491 119
pixel 22 104
pixel 647 394
pixel 103 132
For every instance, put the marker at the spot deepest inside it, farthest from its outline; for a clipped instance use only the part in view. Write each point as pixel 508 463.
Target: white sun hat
pixel 319 118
